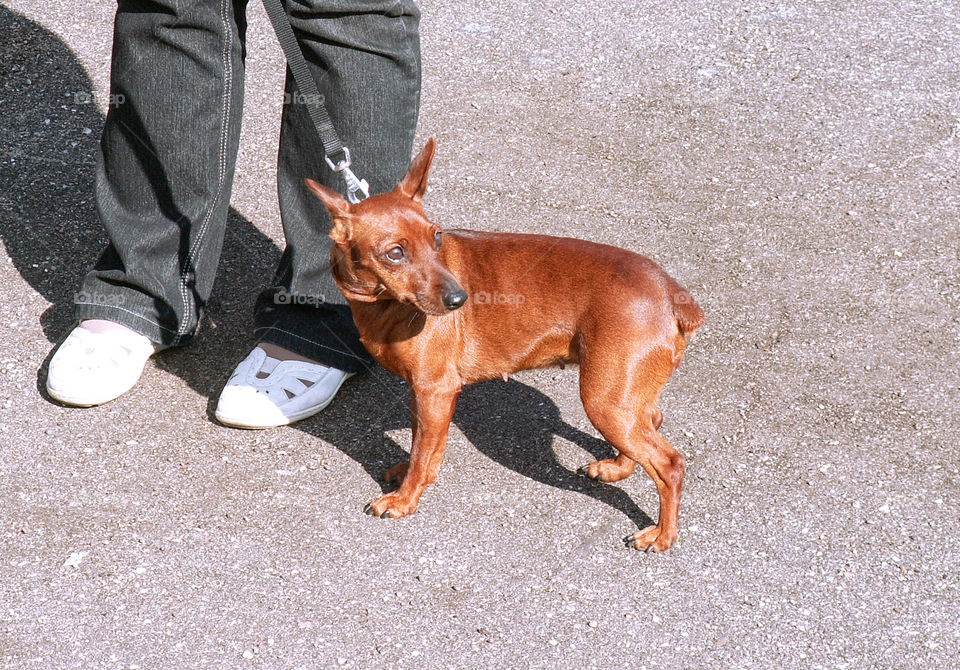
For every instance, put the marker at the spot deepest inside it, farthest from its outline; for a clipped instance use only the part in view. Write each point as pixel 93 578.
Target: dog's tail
pixel 687 312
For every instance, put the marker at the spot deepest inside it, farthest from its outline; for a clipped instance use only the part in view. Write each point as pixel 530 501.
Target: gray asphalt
pixel 793 164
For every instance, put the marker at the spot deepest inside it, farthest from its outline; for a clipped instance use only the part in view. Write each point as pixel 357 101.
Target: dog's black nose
pixel 455 298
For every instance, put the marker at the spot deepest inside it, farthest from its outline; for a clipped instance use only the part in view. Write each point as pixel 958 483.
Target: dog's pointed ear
pixel 338 206
pixel 414 183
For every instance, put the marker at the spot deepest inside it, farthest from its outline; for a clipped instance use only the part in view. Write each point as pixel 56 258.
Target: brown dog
pixel 537 301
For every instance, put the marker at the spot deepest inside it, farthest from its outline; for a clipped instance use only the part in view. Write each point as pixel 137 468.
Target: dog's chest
pixel 403 339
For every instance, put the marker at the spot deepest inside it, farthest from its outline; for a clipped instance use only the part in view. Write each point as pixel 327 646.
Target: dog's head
pixel 385 248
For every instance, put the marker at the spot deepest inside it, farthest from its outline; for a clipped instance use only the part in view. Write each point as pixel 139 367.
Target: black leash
pixel 336 155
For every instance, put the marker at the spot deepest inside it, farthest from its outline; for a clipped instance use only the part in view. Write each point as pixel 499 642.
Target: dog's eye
pixel 395 254
pixel 436 240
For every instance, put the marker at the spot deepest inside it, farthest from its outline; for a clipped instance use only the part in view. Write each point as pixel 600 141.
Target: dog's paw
pixel 607 470
pixel 391 506
pixel 651 538
pixel 395 475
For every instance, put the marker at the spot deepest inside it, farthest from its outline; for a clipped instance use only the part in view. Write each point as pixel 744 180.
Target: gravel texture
pixel 794 165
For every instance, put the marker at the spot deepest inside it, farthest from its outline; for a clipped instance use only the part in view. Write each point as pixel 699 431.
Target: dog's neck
pixel 385 324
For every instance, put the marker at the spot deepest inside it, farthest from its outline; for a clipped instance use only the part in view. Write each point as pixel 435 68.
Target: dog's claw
pixel 630 543
pixel 652 540
pixel 584 471
pixel 368 509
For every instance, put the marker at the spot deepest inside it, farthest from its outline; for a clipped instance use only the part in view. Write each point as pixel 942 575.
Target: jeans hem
pixel 136 322
pixel 322 353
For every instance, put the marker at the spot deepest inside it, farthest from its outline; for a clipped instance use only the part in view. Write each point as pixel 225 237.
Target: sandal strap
pixel 268 374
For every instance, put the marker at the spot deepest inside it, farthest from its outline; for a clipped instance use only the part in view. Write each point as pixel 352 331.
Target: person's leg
pixel 166 164
pixel 163 183
pixel 365 58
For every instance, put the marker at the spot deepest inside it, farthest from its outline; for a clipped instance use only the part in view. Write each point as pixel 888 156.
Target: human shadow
pixel 50 125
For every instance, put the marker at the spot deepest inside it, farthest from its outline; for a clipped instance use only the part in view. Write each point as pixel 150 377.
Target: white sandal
pixel 93 368
pixel 264 392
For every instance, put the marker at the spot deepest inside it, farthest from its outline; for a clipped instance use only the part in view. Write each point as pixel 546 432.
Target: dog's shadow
pixel 511 423
pixel 515 424
pixel 49 227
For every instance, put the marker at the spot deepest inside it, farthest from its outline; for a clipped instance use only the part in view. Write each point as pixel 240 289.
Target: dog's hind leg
pixel 623 407
pixel 666 466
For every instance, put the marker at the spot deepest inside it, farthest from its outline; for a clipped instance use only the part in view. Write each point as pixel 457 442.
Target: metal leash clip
pixel 354 184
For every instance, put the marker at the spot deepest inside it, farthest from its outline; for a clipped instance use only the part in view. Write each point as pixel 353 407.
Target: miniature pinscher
pixel 444 308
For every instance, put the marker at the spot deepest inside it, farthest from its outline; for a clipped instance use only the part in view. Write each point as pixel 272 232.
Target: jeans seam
pixel 128 311
pixel 404 18
pixel 221 167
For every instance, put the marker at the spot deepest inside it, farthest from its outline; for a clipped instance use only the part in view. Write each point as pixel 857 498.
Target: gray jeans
pixel 169 150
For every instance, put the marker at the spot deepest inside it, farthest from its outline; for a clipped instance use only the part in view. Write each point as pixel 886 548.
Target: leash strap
pixel 336 155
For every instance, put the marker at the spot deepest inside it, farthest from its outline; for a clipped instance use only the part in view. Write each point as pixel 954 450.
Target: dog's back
pixel 548 293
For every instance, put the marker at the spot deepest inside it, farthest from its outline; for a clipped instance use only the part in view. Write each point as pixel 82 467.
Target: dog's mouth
pixel 429 304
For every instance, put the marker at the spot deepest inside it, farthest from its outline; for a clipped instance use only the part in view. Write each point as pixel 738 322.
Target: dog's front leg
pixel 432 411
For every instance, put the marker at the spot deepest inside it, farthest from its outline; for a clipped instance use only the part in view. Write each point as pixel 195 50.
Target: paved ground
pixel 793 164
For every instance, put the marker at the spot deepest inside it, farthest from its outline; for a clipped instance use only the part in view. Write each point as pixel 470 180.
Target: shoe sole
pixel 76 401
